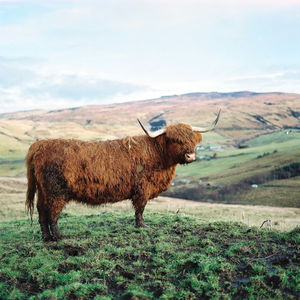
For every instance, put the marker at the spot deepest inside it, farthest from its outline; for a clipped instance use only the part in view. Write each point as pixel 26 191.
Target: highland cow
pixel 96 172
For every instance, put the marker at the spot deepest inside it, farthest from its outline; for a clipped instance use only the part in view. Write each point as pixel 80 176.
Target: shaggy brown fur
pixel 137 168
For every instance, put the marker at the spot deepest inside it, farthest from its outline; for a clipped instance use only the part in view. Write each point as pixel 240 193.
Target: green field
pixel 178 257
pixel 231 157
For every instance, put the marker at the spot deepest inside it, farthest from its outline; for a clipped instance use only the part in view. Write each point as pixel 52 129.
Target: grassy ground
pixel 105 256
pixel 184 254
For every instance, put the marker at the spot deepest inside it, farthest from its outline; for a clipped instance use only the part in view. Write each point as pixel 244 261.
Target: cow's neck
pixel 168 160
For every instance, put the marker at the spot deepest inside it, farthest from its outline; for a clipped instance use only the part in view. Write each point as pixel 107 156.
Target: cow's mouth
pixel 190 157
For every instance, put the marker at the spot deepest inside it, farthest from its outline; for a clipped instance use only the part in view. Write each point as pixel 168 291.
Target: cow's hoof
pixel 142 225
pixel 47 238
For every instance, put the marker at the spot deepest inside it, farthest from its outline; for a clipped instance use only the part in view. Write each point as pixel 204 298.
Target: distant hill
pixel 244 114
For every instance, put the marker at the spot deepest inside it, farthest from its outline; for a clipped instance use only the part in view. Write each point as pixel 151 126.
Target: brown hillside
pixel 244 114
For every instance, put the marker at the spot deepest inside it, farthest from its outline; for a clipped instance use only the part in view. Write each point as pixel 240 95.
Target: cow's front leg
pixel 139 221
pixel 139 206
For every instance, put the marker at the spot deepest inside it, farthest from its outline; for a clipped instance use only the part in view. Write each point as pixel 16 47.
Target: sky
pixel 68 53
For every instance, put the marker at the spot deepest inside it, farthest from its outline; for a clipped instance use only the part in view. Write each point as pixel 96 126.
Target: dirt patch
pixel 68 248
pixel 123 272
pixel 66 267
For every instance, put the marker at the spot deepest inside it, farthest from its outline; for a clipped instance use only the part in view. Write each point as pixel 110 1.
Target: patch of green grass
pixel 12 149
pixel 12 156
pixel 14 168
pixel 106 257
pixel 277 139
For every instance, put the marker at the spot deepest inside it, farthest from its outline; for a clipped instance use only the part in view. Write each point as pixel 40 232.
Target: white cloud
pixel 76 87
pixel 24 88
pixel 280 81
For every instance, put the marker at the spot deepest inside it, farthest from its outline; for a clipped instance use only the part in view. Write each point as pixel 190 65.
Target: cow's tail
pixel 31 185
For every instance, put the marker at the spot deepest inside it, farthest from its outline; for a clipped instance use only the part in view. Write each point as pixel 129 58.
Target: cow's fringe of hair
pixel 179 133
pixel 129 140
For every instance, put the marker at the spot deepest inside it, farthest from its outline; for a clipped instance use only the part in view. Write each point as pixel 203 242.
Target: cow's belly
pixel 96 194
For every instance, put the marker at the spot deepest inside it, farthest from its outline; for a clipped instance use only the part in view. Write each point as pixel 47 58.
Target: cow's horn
pixel 152 134
pixel 206 129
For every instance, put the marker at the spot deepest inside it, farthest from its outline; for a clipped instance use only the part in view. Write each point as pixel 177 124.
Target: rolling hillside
pixel 258 133
pixel 244 114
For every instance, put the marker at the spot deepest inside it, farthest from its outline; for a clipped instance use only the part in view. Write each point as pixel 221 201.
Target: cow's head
pixel 181 140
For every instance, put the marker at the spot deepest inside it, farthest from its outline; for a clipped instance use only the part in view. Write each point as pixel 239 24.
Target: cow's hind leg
pixel 55 209
pixel 43 220
pixel 55 185
pixel 43 217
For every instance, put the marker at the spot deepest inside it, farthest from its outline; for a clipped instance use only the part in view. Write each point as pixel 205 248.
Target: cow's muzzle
pixel 190 157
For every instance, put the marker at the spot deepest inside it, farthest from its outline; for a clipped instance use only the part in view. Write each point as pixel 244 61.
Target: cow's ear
pixel 198 136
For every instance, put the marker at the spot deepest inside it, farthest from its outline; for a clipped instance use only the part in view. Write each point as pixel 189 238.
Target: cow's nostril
pixel 190 156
